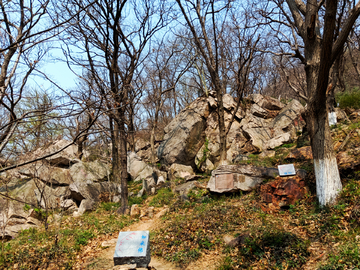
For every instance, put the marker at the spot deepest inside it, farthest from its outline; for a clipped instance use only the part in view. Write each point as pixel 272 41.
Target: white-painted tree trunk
pixel 328 183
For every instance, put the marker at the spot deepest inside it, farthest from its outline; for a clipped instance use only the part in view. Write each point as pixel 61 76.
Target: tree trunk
pixel 221 120
pixel 152 136
pixel 152 145
pixel 131 130
pixel 328 182
pixel 116 171
pixel 123 163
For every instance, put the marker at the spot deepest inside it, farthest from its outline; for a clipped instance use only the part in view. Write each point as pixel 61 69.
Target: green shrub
pixel 349 99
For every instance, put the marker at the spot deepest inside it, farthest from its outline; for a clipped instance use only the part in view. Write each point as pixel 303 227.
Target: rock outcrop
pixel 61 181
pixel 192 138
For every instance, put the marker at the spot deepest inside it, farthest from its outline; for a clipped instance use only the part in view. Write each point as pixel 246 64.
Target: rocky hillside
pixel 242 214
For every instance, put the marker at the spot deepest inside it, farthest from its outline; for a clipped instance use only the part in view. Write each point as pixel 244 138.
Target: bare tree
pixel 113 36
pixel 164 69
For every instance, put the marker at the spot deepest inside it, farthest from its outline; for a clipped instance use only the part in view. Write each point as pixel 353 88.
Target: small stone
pixel 161 180
pixel 109 243
pixel 151 212
pixel 162 212
pixel 116 199
pixel 143 212
pixel 135 210
pixel 141 192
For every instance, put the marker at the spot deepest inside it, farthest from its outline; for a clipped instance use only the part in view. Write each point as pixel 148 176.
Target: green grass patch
pixel 163 197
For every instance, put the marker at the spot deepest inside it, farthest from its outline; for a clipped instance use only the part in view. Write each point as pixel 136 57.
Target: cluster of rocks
pixel 192 137
pixel 61 181
pixel 192 141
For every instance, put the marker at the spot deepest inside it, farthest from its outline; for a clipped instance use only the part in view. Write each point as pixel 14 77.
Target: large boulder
pixel 37 193
pixel 193 138
pixel 277 141
pixel 47 174
pixel 137 168
pixel 65 158
pixel 14 218
pixel 234 140
pixel 232 178
pixel 95 171
pixel 81 190
pixel 180 171
pixel 86 205
pixel 289 119
pixel 266 102
pixel 185 135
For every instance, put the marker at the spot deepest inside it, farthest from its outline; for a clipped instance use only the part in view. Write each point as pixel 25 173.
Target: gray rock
pixel 258 136
pixel 141 192
pixel 134 164
pixel 148 171
pixel 117 199
pixel 90 190
pixel 109 243
pixel 284 121
pixel 278 140
pixel 68 204
pixel 180 171
pixel 267 154
pixel 228 102
pixel 14 218
pixel 257 111
pixel 185 188
pixel 212 102
pixel 161 180
pixel 185 135
pixel 135 210
pixel 139 170
pixel 86 205
pixel 266 102
pixel 95 171
pixel 65 158
pixel 141 144
pixel 48 197
pixel 340 114
pixel 48 174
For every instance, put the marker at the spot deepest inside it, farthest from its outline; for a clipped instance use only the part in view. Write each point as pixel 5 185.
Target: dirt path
pixel 103 259
pixel 94 257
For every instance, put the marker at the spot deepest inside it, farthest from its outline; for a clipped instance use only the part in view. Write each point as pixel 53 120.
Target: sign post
pixel 286 170
pixel 133 248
